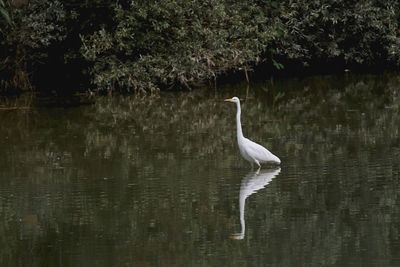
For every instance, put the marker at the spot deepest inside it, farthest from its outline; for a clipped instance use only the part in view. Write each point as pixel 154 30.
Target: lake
pixel 159 181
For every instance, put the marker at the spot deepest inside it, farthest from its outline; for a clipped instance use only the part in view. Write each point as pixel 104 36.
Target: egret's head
pixel 233 99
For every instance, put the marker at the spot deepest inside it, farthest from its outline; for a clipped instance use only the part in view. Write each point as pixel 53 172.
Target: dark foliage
pixel 140 46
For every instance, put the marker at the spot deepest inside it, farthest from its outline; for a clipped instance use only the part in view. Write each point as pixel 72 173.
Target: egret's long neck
pixel 238 123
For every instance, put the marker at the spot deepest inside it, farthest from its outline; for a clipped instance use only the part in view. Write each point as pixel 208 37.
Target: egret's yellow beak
pixel 228 100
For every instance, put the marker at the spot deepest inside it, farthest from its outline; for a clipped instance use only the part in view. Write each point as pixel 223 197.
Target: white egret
pixel 251 151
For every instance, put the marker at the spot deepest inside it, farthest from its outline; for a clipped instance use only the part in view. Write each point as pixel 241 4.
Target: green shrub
pixel 4 14
pixel 162 43
pixel 35 29
pixel 141 45
pixel 360 32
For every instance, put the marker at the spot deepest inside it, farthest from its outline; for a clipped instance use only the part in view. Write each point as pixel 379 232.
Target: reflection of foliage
pixel 119 178
pixel 297 113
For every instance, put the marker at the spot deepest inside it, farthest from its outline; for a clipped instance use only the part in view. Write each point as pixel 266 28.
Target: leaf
pixel 5 15
pixel 277 65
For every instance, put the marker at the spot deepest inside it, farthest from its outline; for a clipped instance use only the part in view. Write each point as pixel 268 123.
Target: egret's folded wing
pixel 259 152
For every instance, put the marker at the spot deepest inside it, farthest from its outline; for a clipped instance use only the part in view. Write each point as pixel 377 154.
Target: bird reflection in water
pixel 251 183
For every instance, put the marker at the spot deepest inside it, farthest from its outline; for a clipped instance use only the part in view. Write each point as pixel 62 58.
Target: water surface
pixel 159 181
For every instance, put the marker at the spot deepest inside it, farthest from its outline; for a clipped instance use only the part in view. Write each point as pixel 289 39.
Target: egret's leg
pixel 258 164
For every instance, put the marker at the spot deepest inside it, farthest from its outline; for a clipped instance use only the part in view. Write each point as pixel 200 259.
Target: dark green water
pixel 160 182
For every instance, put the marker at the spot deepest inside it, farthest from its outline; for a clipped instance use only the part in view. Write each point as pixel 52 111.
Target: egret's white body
pixel 251 151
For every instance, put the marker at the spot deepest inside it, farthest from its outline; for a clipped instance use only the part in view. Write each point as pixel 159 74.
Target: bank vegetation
pixel 145 46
